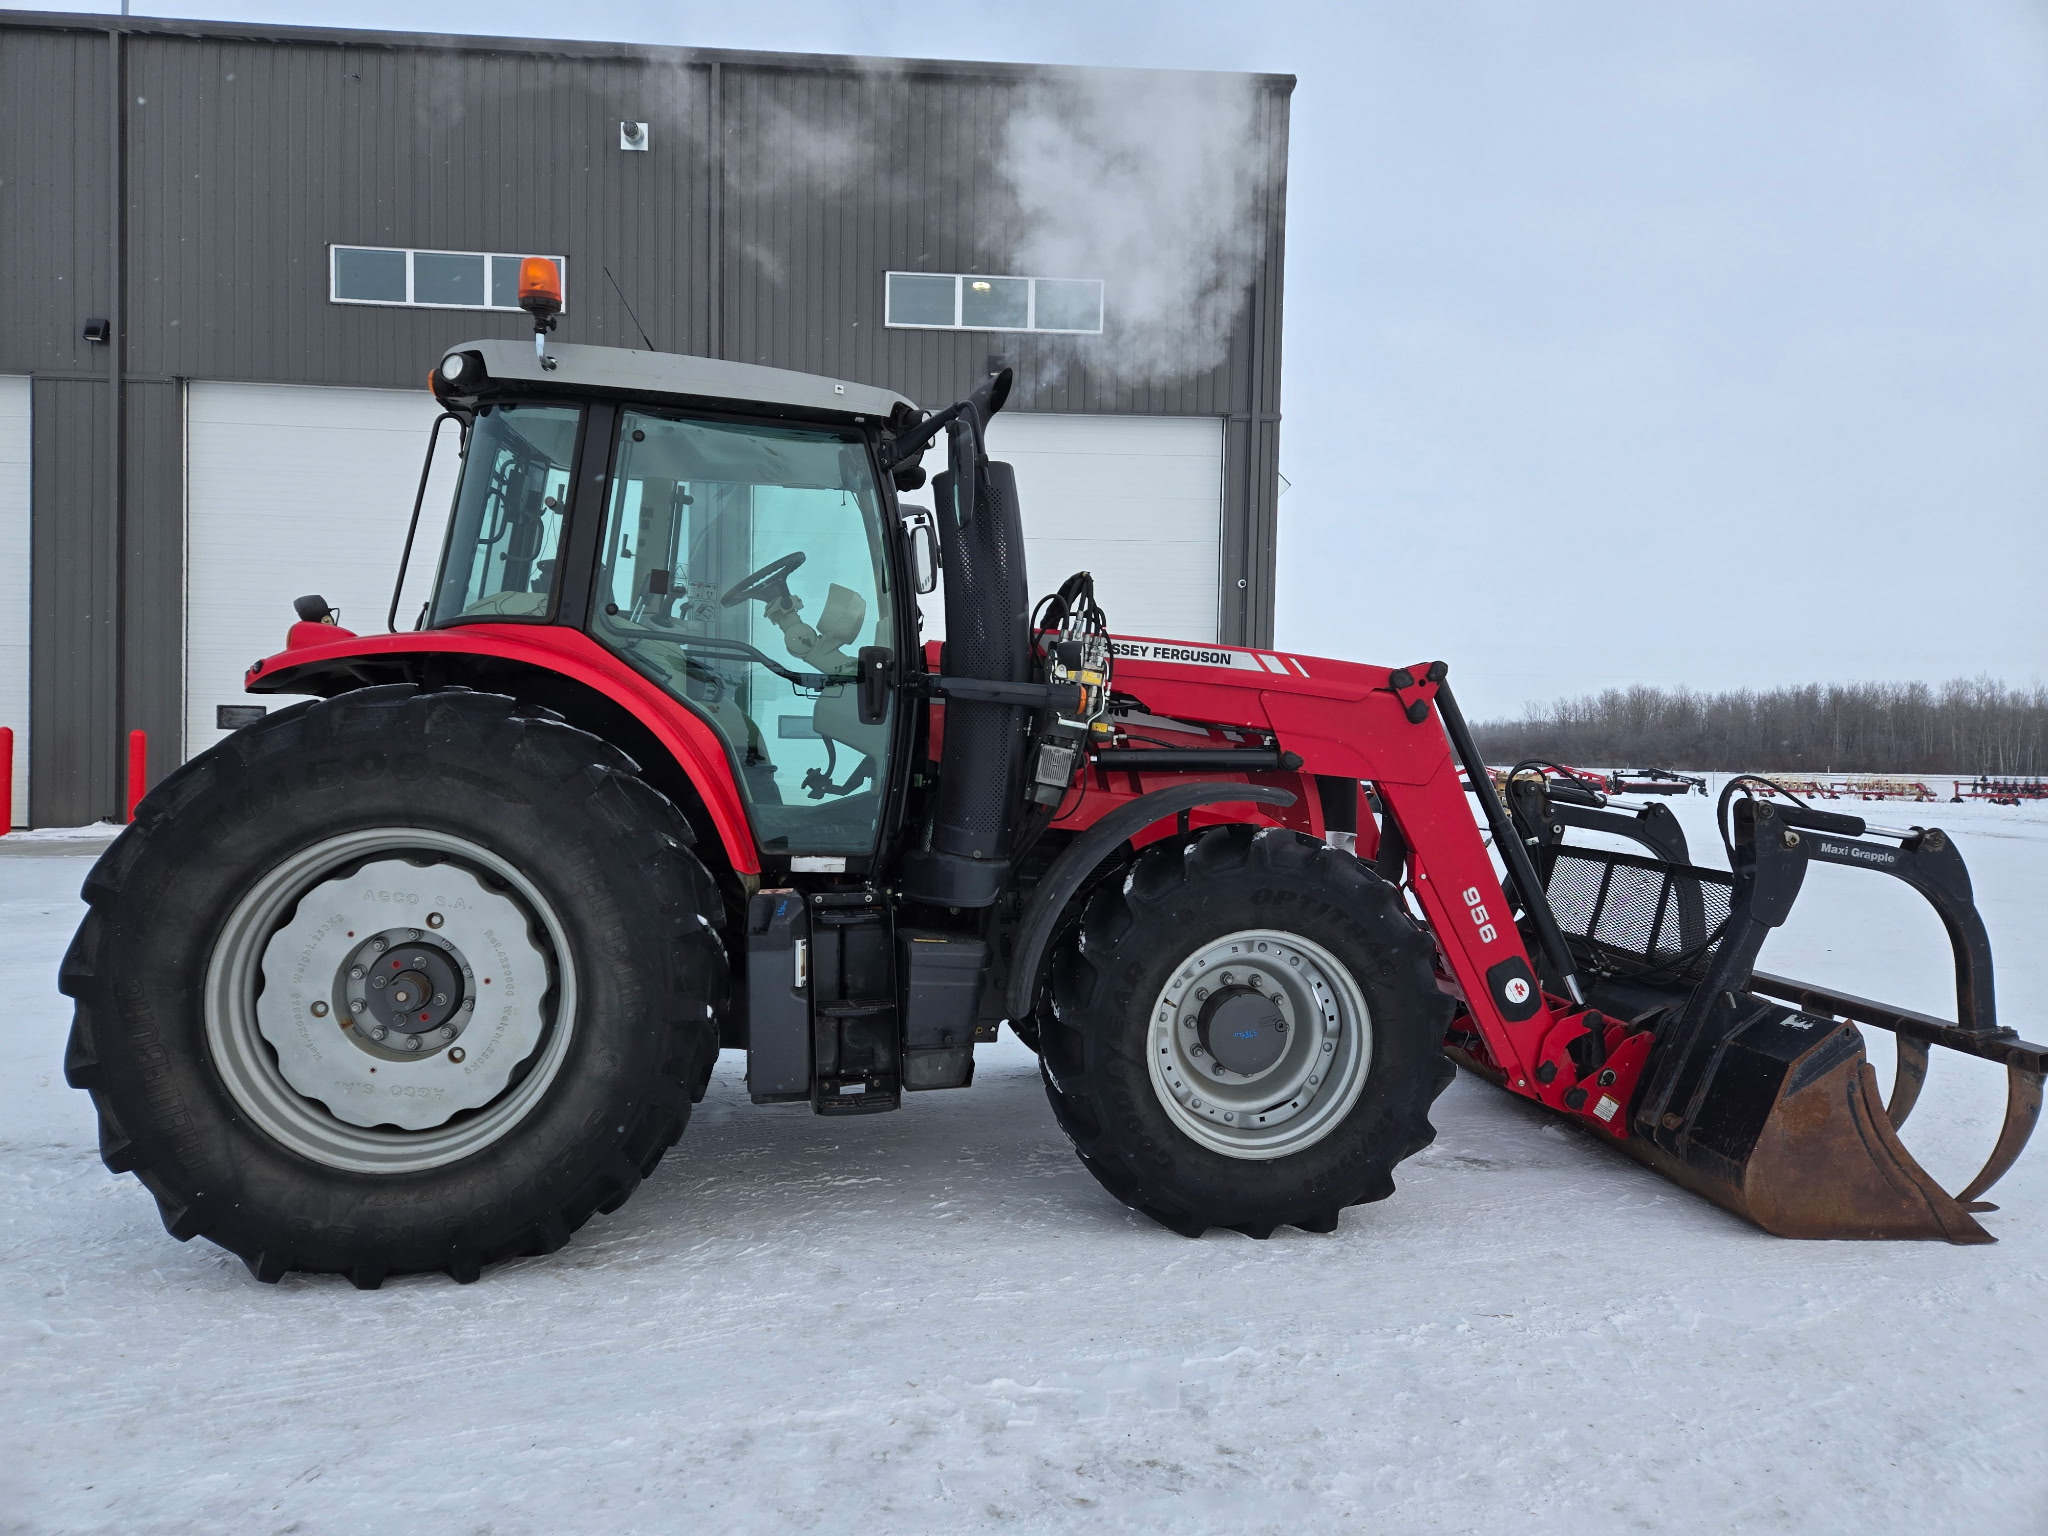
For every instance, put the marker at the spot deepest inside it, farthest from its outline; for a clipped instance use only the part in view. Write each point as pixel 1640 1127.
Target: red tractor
pixel 423 973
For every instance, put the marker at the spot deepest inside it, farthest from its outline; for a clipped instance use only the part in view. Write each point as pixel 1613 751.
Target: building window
pixel 961 301
pixel 428 279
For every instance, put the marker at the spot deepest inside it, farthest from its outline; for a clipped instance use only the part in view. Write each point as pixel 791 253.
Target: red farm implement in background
pixel 1866 786
pixel 1654 781
pixel 2000 791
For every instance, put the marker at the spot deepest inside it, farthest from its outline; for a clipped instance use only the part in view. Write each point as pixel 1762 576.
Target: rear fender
pixel 559 669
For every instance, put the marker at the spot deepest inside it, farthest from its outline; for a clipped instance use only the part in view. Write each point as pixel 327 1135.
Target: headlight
pixel 452 366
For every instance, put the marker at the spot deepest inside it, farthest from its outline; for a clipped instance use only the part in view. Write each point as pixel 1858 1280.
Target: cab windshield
pixel 506 532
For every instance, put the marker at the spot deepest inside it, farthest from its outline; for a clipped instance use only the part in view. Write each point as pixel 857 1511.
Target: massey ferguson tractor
pixel 423 972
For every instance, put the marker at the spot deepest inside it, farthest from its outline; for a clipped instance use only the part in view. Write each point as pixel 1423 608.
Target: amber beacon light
pixel 540 295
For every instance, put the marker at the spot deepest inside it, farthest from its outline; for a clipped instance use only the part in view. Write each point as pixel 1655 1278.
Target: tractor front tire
pixel 1245 1032
pixel 394 982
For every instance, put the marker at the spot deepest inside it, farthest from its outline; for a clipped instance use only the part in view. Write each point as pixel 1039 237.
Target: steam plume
pixel 1152 182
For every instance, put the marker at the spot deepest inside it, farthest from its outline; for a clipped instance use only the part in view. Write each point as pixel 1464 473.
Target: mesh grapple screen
pixel 1667 916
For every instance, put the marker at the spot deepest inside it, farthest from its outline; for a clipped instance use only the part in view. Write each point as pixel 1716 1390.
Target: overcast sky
pixel 1674 343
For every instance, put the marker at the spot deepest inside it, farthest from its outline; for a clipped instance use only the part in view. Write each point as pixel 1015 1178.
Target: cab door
pixel 743 568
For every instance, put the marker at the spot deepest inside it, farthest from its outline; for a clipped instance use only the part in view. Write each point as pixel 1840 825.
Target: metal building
pixel 241 247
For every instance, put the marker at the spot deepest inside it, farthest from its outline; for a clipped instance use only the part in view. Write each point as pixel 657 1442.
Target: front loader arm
pixel 1395 729
pixel 1453 878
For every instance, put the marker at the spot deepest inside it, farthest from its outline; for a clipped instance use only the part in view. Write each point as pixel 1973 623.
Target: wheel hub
pixel 366 1020
pixel 1243 1028
pixel 1260 1043
pixel 407 993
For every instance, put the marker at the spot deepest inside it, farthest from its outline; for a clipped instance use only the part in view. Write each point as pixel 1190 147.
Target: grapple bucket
pixel 1755 1091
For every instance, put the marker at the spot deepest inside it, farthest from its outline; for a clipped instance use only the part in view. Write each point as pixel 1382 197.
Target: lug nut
pixel 378 946
pixel 435 919
pixel 379 1032
pixel 356 973
pixel 356 1005
pixel 447 1031
pixel 412 1042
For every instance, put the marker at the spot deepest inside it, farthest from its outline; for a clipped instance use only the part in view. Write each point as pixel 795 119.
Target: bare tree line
pixel 1965 726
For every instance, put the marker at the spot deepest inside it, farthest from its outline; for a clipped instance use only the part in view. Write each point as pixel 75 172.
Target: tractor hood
pixel 510 368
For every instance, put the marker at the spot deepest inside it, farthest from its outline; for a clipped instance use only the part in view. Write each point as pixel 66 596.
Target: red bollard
pixel 6 780
pixel 138 769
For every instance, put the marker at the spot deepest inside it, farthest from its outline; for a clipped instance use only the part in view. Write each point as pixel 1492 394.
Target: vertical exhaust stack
pixel 965 862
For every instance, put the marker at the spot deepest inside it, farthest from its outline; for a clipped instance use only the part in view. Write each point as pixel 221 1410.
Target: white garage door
pixel 1138 500
pixel 14 559
pixel 296 490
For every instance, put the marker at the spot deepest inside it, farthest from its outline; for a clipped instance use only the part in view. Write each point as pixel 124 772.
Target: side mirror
pixel 924 549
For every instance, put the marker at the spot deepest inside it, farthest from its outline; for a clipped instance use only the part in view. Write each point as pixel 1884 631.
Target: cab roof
pixel 697 379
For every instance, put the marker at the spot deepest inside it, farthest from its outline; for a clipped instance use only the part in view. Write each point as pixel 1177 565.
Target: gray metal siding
pixel 74 766
pixel 1252 443
pixel 778 190
pixel 153 538
pixel 277 153
pixel 54 200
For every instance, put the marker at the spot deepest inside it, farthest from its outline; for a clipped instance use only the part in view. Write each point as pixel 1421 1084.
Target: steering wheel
pixel 762 583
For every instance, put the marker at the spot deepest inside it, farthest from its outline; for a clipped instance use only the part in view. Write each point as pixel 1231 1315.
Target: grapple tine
pixel 1908 1078
pixel 2022 1112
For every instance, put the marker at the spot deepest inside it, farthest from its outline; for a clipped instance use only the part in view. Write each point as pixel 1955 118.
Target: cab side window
pixel 742 569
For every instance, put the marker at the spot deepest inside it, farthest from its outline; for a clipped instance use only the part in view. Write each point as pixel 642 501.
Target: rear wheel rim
pixel 506 932
pixel 1259 1044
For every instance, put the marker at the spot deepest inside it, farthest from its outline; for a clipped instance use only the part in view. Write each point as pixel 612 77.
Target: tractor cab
pixel 726 531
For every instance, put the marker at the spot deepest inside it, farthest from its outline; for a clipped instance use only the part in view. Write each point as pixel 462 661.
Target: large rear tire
pixel 393 982
pixel 1245 1032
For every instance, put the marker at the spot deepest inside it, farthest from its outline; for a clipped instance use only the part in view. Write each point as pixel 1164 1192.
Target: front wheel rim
pixel 1259 1044
pixel 269 1078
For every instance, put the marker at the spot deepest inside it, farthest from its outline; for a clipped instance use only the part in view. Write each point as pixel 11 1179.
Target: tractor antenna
pixel 629 310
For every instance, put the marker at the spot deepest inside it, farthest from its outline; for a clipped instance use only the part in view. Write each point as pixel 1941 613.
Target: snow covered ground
pixel 935 1321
